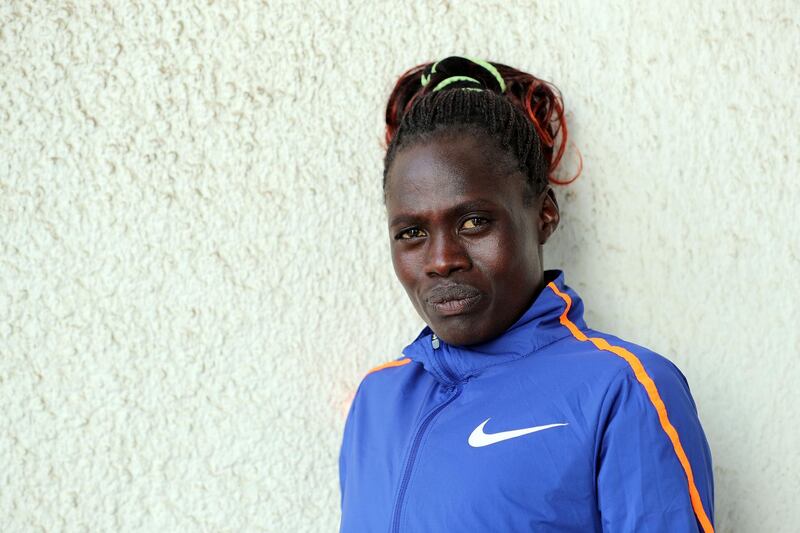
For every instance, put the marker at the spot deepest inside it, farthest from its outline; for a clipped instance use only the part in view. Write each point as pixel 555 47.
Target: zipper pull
pixel 435 341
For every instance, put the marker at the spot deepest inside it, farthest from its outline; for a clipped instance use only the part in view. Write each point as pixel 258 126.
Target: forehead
pixel 451 169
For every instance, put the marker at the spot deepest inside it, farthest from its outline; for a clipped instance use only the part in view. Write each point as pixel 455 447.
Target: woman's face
pixel 465 245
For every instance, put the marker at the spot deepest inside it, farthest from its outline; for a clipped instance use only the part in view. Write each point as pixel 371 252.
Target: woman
pixel 507 413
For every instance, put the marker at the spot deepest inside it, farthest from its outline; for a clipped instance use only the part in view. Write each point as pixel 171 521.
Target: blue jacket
pixel 550 427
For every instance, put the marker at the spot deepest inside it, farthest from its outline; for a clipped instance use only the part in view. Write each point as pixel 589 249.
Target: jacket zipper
pixel 445 368
pixel 412 455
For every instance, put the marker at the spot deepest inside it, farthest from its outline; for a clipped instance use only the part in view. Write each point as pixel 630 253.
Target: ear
pixel 549 215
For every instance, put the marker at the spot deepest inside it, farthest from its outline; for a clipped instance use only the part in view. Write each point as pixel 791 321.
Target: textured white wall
pixel 194 271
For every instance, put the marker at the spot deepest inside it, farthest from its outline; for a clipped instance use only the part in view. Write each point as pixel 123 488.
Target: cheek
pixel 490 258
pixel 405 266
pixel 506 260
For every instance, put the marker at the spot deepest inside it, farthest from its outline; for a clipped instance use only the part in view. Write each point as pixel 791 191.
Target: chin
pixel 461 335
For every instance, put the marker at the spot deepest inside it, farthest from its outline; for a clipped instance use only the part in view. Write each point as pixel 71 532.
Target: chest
pixel 510 453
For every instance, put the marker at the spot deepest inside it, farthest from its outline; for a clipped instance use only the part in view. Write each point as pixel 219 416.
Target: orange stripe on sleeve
pixel 390 364
pixel 655 399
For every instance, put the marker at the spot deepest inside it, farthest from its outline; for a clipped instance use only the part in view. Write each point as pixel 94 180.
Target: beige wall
pixel 194 270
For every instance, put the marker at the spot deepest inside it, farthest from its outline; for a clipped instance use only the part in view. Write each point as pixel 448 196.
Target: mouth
pixel 452 300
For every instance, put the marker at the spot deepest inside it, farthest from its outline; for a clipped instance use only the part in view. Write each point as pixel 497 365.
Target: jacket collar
pixel 538 327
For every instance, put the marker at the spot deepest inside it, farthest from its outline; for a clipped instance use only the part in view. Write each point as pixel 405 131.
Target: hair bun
pixel 462 72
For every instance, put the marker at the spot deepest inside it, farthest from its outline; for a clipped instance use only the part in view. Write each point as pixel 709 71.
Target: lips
pixel 456 299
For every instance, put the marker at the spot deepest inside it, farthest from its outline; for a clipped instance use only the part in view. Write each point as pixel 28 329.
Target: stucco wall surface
pixel 194 268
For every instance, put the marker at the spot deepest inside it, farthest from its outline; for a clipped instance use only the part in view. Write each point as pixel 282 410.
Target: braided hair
pixel 523 113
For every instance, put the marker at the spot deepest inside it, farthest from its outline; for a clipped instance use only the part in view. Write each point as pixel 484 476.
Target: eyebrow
pixel 406 218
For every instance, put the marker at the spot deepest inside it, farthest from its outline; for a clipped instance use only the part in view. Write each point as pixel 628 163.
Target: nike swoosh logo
pixel 479 438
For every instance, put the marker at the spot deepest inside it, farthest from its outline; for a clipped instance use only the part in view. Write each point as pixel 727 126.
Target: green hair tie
pixel 452 79
pixel 491 68
pixel 426 78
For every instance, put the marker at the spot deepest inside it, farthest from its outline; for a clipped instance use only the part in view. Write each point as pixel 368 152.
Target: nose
pixel 446 255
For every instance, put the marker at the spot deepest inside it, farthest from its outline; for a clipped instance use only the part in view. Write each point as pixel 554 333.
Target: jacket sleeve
pixel 344 450
pixel 342 475
pixel 653 463
pixel 347 449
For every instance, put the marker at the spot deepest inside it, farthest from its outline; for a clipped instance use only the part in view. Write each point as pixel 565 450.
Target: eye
pixel 410 233
pixel 474 222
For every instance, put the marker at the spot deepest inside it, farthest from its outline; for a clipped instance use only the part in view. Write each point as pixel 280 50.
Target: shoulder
pixel 610 359
pixel 623 359
pixel 614 366
pixel 646 366
pixel 386 396
pixel 400 361
pixel 388 373
pixel 647 382
pixel 381 379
